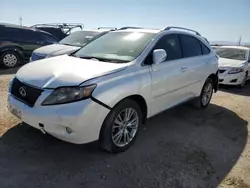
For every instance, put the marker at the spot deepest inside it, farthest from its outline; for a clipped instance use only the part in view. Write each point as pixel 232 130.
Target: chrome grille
pixel 31 93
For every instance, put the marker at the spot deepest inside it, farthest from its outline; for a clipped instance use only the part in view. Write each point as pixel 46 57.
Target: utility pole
pixel 239 41
pixel 21 20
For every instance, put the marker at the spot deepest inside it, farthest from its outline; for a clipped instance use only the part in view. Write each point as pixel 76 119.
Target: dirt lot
pixel 182 147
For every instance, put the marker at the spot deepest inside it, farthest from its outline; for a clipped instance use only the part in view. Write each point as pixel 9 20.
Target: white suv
pixel 108 88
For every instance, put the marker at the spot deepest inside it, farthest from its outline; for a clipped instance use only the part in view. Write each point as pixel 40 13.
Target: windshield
pixel 79 38
pixel 231 53
pixel 117 46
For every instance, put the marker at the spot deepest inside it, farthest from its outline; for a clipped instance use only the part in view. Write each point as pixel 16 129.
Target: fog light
pixel 69 130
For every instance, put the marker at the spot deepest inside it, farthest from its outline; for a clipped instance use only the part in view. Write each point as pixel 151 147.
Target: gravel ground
pixel 181 147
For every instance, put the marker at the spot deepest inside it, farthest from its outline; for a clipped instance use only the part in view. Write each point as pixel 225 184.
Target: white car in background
pixel 234 65
pixel 108 88
pixel 68 45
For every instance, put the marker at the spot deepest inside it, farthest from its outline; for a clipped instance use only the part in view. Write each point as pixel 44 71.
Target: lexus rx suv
pixel 107 89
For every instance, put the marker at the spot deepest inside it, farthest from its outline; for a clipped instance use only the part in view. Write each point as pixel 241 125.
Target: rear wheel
pixel 205 96
pixel 9 59
pixel 121 126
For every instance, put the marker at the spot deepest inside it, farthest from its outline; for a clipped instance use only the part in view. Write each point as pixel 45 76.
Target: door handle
pixel 184 69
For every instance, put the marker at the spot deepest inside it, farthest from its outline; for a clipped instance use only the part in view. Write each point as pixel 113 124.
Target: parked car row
pixel 17 43
pixel 67 45
pixel 108 88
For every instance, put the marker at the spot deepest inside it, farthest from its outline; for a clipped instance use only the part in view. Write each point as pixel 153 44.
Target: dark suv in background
pixel 17 43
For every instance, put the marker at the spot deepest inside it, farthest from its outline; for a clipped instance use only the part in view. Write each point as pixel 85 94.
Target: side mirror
pixel 159 55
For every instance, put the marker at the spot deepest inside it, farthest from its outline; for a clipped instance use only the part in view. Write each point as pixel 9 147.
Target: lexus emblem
pixel 22 91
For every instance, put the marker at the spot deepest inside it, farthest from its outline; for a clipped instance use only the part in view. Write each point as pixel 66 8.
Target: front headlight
pixel 69 94
pixel 236 70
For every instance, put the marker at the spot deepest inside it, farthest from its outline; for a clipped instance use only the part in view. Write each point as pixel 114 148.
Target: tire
pixel 243 81
pixel 198 102
pixel 114 131
pixel 9 59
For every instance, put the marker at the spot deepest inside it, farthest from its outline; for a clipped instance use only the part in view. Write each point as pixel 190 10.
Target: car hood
pixel 230 63
pixel 56 49
pixel 64 71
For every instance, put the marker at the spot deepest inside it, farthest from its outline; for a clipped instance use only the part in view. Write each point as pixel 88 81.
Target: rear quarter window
pixel 205 49
pixel 48 39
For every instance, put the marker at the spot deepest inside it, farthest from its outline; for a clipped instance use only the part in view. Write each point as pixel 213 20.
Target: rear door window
pixel 30 36
pixel 191 46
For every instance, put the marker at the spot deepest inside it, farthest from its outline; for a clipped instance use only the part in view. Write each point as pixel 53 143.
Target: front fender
pixel 119 85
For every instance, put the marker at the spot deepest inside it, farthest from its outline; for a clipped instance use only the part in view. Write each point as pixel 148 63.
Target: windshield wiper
pixel 66 44
pixel 104 59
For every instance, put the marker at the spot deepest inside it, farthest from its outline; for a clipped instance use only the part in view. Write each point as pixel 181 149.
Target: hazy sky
pixel 223 20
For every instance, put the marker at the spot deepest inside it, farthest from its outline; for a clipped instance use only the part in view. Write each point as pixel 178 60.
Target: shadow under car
pixel 181 147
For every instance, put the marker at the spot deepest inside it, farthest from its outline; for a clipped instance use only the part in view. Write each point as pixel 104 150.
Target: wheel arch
pixel 16 49
pixel 141 102
pixel 215 80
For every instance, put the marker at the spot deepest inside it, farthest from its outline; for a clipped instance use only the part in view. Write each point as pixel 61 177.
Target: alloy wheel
pixel 10 60
pixel 125 127
pixel 207 94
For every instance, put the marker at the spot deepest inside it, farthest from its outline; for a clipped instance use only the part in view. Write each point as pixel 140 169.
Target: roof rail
pixel 111 28
pixel 67 25
pixel 123 28
pixel 181 28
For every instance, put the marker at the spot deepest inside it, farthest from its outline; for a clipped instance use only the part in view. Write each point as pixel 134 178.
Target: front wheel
pixel 205 96
pixel 120 127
